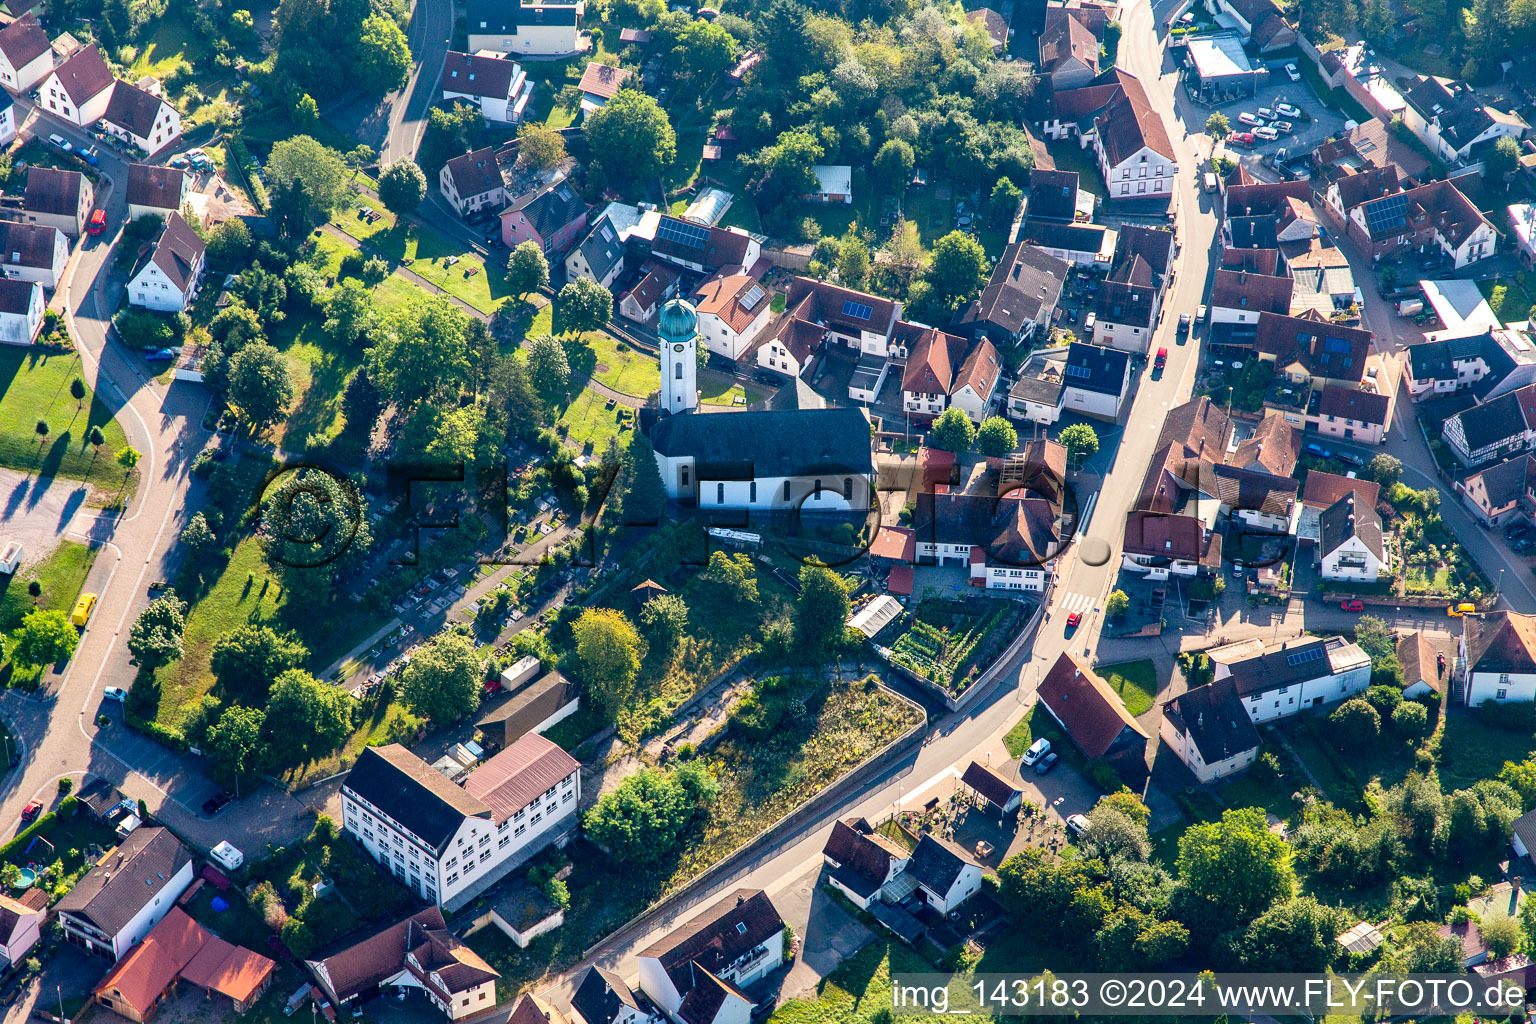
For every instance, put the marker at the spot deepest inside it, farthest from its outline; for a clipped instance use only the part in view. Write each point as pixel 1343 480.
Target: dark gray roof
pixel 177 252
pixel 409 790
pixel 489 17
pixel 1492 422
pixel 602 249
pixel 1071 237
pixel 1525 828
pixel 937 863
pixel 1155 245
pixel 1251 232
pixel 1025 282
pixel 798 442
pixel 53 191
pixel 120 885
pixel 1293 663
pixel 23 41
pixel 16 296
pixel 1436 360
pixel 154 186
pixel 1348 518
pixel 1215 719
pixel 475 173
pixel 1095 368
pixel 551 209
pixel 32 245
pixel 602 994
pixel 1053 194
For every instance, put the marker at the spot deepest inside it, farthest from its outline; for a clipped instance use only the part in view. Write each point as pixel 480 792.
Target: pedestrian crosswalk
pixel 1074 602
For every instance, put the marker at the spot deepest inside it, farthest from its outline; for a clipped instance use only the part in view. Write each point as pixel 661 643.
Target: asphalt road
pixel 430 30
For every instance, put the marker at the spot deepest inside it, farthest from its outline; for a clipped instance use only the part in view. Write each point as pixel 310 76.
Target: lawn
pixel 589 422
pixel 600 356
pixel 1472 750
pixel 1310 750
pixel 427 254
pixel 1509 298
pixel 173 46
pixel 716 388
pixel 860 992
pixel 35 386
pixel 61 575
pixel 1134 681
pixel 1037 723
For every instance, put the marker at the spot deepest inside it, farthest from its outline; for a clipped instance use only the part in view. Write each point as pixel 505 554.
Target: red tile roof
pixel 1086 707
pixel 515 777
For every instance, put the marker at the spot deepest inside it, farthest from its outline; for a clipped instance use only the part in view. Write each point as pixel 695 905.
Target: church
pixel 801 460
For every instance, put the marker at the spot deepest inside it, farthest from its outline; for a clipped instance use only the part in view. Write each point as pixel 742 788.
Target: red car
pixel 1353 605
pixel 1242 138
pixel 98 222
pixel 1074 619
pixel 31 810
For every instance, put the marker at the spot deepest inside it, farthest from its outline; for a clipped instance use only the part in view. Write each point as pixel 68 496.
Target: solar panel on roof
pixel 1302 657
pixel 1335 345
pixel 683 233
pixel 857 310
pixel 753 294
pixel 1078 371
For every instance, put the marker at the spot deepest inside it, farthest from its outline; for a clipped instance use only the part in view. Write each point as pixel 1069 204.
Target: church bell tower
pixel 678 332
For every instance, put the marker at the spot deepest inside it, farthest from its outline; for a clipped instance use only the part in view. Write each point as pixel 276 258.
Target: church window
pixel 752 497
pixel 786 490
pixel 719 494
pixel 677 371
pixel 817 490
pixel 847 488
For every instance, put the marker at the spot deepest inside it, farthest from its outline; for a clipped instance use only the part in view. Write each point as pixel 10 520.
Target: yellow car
pixel 1461 609
pixel 82 613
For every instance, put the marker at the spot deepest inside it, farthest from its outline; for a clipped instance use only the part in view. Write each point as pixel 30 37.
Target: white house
pixel 524 27
pixel 141 118
pixel 1498 653
pixel 168 273
pixel 1096 384
pixel 599 257
pixel 1207 728
pixel 946 874
pixel 33 252
pixel 26 55
pixel 602 997
pixel 1135 154
pixel 1126 307
pixel 599 84
pixel 155 191
pixel 21 311
pixel 59 199
pixel 732 312
pixel 1446 115
pixel 1351 545
pixel 472 182
pixel 7 119
pixel 498 86
pixel 861 862
pixel 126 894
pixel 79 89
pixel 21 923
pixel 944 370
pixel 1300 674
pixel 449 844
pixel 696 973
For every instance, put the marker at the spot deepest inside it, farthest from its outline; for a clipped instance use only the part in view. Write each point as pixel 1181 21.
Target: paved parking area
pixel 1317 124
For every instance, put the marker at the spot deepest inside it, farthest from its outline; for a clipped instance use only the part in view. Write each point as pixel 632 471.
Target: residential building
pixel 1171 529
pixel 1447 116
pixel 448 843
pixel 602 997
pixel 1311 351
pixel 553 217
pixel 1257 500
pixel 1297 675
pixel 416 952
pixel 1432 217
pixel 1274 448
pixel 943 370
pixel 179 949
pixel 1208 729
pixel 530 708
pixel 143 119
pixel 21 924
pixel 696 973
pixel 499 87
pixel 1352 415
pixel 1454 364
pixel 994 24
pixel 656 285
pixel 528 1009
pixel 1054 196
pixel 702 249
pixel 946 874
pixel 1069 49
pixel 1126 307
pixel 1497 651
pixel 599 257
pixel 816 314
pixel 58 199
pixel 1371 145
pixel 155 191
pixel 1522 225
pixel 732 310
pixel 79 89
pixel 1135 154
pixel 168 272
pixel 834 184
pixel 861 862
pixel 1218 70
pixel 7 119
pixel 472 183
pixel 1153 246
pixel 1351 545
pixel 1009 541
pixel 1502 491
pixel 814 460
pixel 33 252
pixel 1496 429
pixel 524 27
pixel 1239 298
pixel 1082 245
pixel 599 84
pixel 1260 23
pixel 1021 297
pixel 21 311
pixel 26 55
pixel 1324 283
pixel 1097 385
pixel 1346 191
pixel 1426 665
pixel 1161 545
pixel 131 887
pixel 1090 713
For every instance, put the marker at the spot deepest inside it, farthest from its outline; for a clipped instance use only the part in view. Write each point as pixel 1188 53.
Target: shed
pixel 875 615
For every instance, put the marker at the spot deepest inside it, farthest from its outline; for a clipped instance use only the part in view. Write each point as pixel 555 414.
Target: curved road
pixel 430 30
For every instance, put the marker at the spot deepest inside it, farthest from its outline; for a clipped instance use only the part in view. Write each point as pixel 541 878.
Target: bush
pixel 1410 720
pixel 1102 775
pixel 66 784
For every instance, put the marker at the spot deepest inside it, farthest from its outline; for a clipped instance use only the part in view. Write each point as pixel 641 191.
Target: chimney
pixel 740 899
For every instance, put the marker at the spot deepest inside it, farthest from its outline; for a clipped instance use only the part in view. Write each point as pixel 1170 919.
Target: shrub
pixel 68 806
pixel 66 784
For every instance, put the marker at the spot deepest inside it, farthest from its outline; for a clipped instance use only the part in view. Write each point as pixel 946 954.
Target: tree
pixel 787 168
pixel 1217 126
pixel 958 269
pixel 821 610
pixel 527 269
pixel 905 257
pixel 665 621
pixel 1235 869
pixel 952 431
pixel 645 820
pixel 642 496
pixel 249 657
pixel 996 437
pixel 1081 441
pixel 703 50
pixel 128 457
pixel 631 137
pixel 1004 204
pixel 313 526
pixel 42 429
pixel 540 145
pixel 155 637
pixel 43 638
pixel 97 438
pixel 548 366
pixel 893 165
pixel 361 402
pixel 608 652
pixel 306 112
pixel 234 741
pixel 1117 604
pixel 1410 720
pixel 1384 469
pixel 306 718
pixel 732 578
pixel 349 311
pixel 402 187
pixel 1297 934
pixel 259 385
pixel 229 245
pixel 852 262
pixel 1112 833
pixel 320 169
pixel 419 352
pixel 1500 162
pixel 77 392
pixel 584 305
pixel 1373 637
pixel 383 55
pixel 1501 933
pixel 442 682
pixel 1356 723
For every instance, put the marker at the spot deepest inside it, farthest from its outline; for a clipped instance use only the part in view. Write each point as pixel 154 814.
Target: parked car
pixel 116 693
pixel 1287 110
pixel 32 810
pixel 1351 458
pixel 216 803
pixel 1319 451
pixel 1046 763
pixel 1183 323
pixel 1088 324
pixel 158 355
pixel 1354 604
pixel 1077 824
pixel 1161 359
pixel 1517 531
pixel 1284 128
pixel 1201 313
pixel 92 155
pixel 1267 113
pixel 1249 119
pixel 98 222
pixel 1242 139
pixel 1036 751
pixel 61 142
pixel 1293 72
pixel 1267 134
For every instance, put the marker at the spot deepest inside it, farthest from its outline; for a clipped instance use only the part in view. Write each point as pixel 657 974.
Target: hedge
pixel 25 836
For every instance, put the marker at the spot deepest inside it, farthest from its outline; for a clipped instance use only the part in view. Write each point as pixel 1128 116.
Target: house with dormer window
pixel 696 974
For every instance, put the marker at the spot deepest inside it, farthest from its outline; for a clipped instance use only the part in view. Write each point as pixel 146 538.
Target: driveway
pixel 1311 130
pixel 829 934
